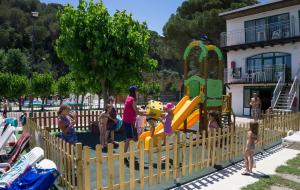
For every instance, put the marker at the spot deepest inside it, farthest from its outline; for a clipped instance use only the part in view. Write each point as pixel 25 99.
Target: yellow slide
pixel 191 120
pixel 182 111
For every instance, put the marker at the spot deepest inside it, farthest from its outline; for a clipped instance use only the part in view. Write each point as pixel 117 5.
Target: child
pixel 140 122
pixel 66 124
pixel 213 123
pixel 111 123
pixel 103 125
pixel 169 108
pixel 250 147
pixel 152 124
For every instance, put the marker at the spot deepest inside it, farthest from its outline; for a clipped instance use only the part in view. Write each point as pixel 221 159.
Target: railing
pixel 185 155
pixel 274 31
pixel 256 75
pixel 277 91
pixel 293 90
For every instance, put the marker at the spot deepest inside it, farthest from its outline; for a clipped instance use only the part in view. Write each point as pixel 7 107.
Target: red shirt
pixel 129 115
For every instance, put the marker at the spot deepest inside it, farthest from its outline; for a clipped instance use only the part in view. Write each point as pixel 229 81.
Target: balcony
pixel 267 34
pixel 255 75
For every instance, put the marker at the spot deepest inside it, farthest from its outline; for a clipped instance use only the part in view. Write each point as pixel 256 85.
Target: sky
pixel 155 12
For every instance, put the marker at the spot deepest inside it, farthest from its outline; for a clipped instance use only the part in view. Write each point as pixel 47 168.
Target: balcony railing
pixel 254 75
pixel 267 32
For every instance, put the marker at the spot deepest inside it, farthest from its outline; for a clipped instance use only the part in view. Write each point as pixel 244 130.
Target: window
pixel 273 65
pixel 268 28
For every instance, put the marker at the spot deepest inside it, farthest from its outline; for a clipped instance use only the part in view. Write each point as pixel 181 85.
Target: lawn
pixel 292 168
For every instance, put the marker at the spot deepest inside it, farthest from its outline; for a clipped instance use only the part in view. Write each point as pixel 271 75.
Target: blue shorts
pixel 129 130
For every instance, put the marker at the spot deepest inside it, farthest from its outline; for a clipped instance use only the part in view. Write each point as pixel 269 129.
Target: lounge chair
pixel 13 155
pixel 27 160
pixel 5 134
pixel 39 177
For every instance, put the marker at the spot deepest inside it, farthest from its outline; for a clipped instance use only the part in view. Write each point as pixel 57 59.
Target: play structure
pixel 202 94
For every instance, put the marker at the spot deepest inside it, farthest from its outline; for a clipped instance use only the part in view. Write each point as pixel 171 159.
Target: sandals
pixel 245 173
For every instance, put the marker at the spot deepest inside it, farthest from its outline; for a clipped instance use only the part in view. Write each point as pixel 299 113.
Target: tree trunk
pixel 99 100
pixel 104 85
pixel 77 99
pixel 20 104
pixel 61 100
pixel 43 100
pixel 31 105
pixel 82 99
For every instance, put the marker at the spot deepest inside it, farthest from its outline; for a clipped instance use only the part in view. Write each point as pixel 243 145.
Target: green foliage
pixel 13 86
pixel 104 48
pixel 41 84
pixel 64 85
pixel 16 28
pixel 195 18
pixel 19 86
pixel 150 88
pixel 5 84
pixel 15 62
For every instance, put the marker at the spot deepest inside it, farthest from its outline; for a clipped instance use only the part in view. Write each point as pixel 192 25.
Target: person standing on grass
pixel 129 117
pixel 255 104
pixel 66 122
pixel 252 136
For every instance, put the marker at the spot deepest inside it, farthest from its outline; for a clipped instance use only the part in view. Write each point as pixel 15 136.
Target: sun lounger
pixel 12 156
pixel 27 160
pixel 5 134
pixel 39 177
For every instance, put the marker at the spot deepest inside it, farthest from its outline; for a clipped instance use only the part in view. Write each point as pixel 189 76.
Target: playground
pixel 191 152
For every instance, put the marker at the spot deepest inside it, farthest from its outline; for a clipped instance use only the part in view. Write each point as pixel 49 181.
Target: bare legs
pixel 248 161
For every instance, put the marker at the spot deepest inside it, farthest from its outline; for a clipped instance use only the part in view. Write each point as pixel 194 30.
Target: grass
pixel 266 182
pixel 292 167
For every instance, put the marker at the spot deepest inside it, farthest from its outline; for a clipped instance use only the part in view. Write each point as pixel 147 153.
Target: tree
pixel 16 62
pixel 195 18
pixel 108 49
pixel 64 86
pixel 41 85
pixel 5 85
pixel 19 86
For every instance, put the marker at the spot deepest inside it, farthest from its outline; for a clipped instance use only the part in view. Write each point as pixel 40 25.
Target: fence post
pixel 79 168
pixel 141 157
pixel 99 166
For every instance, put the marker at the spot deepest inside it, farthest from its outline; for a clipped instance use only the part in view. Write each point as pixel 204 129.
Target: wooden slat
pixel 197 150
pixel 232 132
pixel 121 165
pixel 72 164
pixel 219 145
pixel 208 148
pixel 190 164
pixel 110 166
pixel 68 162
pixel 175 157
pixel 87 168
pixel 213 152
pixel 142 160
pixel 150 157
pixel 183 154
pixel 167 157
pixel 99 184
pixel 203 148
pixel 131 165
pixel 159 161
pixel 227 144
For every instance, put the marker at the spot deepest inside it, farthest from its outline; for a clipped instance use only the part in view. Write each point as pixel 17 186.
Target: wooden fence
pixel 182 155
pixel 48 120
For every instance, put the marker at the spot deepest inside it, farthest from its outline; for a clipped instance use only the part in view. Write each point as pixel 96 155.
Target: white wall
pixel 235 27
pixel 237 98
pixel 240 56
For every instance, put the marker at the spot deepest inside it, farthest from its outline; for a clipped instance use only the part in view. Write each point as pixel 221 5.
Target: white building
pixel 262 43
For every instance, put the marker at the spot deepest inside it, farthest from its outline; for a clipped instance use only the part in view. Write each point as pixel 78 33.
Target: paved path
pixel 231 178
